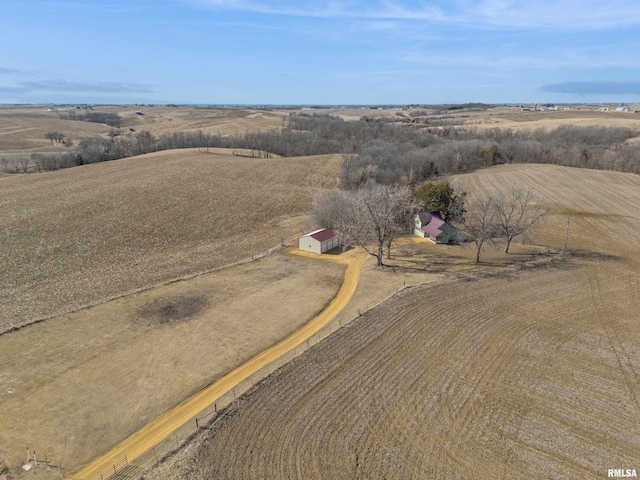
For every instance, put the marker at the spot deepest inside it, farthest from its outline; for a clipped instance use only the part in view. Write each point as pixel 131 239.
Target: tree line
pixel 111 119
pixel 385 151
pixel 382 151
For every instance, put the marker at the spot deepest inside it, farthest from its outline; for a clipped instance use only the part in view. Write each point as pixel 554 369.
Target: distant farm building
pixel 319 241
pixel 430 225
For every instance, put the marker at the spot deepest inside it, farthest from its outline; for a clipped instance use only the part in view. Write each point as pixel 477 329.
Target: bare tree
pixel 481 221
pixel 54 136
pixel 382 216
pixel 23 162
pixel 370 217
pixel 334 209
pixel 38 161
pixel 517 212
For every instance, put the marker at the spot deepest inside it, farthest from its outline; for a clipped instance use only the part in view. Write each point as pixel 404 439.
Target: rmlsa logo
pixel 622 473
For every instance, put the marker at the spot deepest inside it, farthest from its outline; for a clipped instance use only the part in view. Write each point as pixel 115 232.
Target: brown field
pixel 76 385
pixel 220 121
pixel 469 377
pixel 519 373
pixel 83 235
pixel 22 130
pixel 517 120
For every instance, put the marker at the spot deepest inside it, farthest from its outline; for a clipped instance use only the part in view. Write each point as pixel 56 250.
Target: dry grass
pixel 80 236
pixel 23 129
pixel 517 120
pixel 74 386
pixel 534 373
pixel 467 381
pixel 220 121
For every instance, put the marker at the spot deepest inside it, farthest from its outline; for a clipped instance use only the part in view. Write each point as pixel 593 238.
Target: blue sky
pixel 319 52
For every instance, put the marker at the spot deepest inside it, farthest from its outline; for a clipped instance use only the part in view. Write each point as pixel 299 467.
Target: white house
pixel 318 241
pixel 431 226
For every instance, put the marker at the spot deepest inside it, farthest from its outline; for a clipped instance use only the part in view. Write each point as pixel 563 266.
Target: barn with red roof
pixel 319 241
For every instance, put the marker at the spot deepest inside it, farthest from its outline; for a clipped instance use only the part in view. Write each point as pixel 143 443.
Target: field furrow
pixel 532 374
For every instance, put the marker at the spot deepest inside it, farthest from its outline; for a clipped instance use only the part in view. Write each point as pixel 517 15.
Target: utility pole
pixel 566 237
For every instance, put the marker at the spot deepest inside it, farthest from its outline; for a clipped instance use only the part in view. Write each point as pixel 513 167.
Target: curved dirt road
pixel 157 431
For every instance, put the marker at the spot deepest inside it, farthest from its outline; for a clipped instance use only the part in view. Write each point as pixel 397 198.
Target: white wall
pixel 309 244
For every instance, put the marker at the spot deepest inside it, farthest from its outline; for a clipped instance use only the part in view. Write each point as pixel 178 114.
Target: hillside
pixel 24 129
pixel 82 235
pixel 529 374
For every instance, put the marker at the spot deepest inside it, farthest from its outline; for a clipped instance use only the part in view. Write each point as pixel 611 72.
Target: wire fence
pixel 112 472
pixel 216 411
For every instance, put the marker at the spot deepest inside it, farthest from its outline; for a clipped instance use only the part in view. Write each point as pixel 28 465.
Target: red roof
pixel 431 223
pixel 431 230
pixel 322 235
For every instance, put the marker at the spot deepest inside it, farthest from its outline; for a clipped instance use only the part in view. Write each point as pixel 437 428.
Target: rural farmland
pixel 126 225
pixel 532 373
pixel 524 363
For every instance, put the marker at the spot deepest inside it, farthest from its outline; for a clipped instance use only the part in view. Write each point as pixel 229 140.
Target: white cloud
pixel 570 14
pixel 101 87
pixel 561 61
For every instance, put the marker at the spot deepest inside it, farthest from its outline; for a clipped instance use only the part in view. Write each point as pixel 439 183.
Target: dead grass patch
pixel 164 311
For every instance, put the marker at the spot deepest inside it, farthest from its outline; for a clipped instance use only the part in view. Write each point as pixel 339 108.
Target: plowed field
pixel 82 235
pixel 530 374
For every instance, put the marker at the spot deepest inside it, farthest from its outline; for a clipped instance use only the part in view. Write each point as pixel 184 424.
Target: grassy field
pixel 75 384
pixel 529 373
pixel 83 235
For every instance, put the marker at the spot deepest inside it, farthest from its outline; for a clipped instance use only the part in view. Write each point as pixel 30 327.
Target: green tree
pixel 443 198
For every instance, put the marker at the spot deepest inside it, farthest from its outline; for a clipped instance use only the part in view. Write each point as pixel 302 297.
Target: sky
pixel 331 52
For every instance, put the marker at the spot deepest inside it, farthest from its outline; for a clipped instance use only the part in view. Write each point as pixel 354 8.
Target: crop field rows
pixel 23 130
pixel 471 388
pixel 532 374
pixel 121 226
pixel 216 121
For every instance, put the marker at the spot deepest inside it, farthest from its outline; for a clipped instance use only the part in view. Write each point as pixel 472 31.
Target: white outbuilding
pixel 318 241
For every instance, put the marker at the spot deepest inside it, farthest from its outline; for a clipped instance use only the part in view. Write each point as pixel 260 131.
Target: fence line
pixel 106 475
pixel 218 409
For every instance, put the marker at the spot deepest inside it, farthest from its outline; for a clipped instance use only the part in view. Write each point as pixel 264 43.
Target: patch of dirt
pixel 170 310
